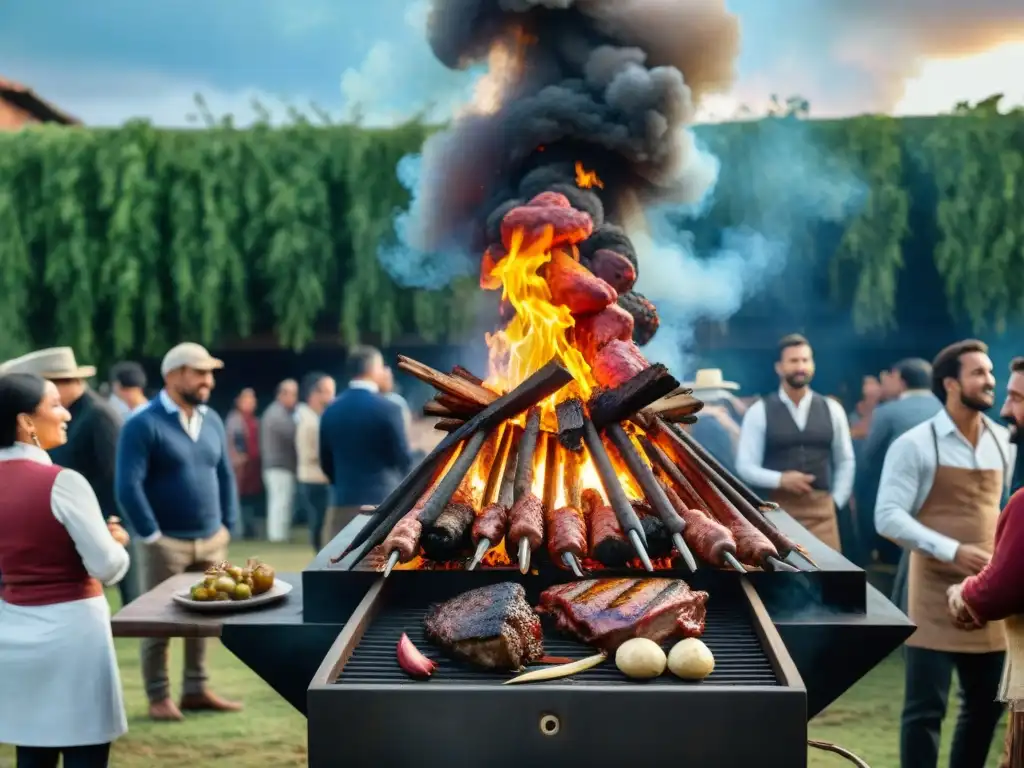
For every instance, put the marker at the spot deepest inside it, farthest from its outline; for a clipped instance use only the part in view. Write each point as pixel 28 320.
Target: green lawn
pixel 271 733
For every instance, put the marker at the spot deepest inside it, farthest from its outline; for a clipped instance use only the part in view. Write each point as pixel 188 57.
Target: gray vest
pixel 786 448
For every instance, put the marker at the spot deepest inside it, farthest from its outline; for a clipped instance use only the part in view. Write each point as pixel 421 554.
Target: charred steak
pixel 492 627
pixel 607 612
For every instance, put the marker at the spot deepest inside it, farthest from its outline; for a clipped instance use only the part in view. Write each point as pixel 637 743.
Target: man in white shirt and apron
pixel 939 496
pixel 796 445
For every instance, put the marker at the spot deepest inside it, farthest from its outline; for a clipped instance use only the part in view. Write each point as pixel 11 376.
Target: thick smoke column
pixel 611 83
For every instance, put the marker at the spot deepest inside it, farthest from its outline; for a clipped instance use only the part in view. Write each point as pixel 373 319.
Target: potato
pixel 690 659
pixel 640 659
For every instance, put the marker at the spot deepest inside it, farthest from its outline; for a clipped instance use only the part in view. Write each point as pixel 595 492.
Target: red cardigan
pixel 998 591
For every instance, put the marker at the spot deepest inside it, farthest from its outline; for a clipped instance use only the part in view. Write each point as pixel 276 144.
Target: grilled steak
pixel 607 612
pixel 492 627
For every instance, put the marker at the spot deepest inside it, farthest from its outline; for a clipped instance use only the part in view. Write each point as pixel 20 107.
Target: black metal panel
pixel 723 727
pixel 285 656
pixel 740 658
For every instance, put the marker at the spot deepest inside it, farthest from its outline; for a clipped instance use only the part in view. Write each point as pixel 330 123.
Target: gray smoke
pixel 610 83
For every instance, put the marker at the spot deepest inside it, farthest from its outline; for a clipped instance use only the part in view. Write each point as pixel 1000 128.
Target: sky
pixel 107 61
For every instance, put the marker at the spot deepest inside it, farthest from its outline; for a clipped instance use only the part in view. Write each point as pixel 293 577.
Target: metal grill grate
pixel 739 656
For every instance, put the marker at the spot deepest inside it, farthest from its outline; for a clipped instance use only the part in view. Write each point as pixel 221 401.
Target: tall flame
pixel 538 332
pixel 586 179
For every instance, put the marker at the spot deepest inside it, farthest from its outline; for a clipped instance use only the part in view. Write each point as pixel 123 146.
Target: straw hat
pixel 710 378
pixel 55 363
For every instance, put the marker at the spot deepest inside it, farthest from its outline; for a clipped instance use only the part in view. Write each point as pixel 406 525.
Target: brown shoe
pixel 165 710
pixel 208 702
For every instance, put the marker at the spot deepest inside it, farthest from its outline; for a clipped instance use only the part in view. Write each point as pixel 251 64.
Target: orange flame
pixel 587 179
pixel 538 332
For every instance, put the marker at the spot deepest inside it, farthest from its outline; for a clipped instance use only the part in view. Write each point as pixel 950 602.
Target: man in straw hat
pixel 91 449
pixel 176 485
pixel 717 427
pixel 796 445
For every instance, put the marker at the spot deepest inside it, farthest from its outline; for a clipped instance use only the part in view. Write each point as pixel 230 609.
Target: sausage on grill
pixel 608 543
pixel 405 536
pixel 566 532
pixel 707 537
pixel 526 521
pixel 491 524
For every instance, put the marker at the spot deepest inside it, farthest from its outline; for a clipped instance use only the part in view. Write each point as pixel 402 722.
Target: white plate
pixel 277 592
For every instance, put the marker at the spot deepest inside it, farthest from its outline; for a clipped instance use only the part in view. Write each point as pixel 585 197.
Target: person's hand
pixel 959 613
pixel 796 482
pixel 971 559
pixel 120 534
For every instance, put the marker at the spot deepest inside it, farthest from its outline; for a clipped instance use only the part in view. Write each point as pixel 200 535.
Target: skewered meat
pixel 526 520
pixel 645 316
pixel 596 330
pixel 608 543
pixel 607 612
pixel 568 226
pixel 550 200
pixel 566 532
pixel 448 537
pixel 659 541
pixel 493 627
pixel 614 268
pixel 616 363
pixel 491 524
pixel 574 286
pixel 404 538
pixel 707 537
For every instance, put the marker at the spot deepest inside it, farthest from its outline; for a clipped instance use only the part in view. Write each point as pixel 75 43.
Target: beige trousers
pixel 162 559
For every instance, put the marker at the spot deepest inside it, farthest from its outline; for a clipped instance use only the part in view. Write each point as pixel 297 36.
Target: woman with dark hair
pixel 60 693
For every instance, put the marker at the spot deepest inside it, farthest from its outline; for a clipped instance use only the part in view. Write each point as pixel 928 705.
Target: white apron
pixel 59 683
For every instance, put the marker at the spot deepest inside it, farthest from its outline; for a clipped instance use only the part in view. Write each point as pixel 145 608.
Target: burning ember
pixel 565 454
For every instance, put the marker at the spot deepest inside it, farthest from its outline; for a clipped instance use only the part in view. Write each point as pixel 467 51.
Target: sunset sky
pixel 109 60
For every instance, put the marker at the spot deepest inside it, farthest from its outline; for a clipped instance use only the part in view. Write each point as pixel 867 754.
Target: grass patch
pixel 270 732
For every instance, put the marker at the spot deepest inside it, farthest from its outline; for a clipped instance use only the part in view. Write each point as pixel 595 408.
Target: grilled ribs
pixel 493 627
pixel 607 612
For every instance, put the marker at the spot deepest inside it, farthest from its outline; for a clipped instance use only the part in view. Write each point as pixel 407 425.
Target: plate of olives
pixel 229 587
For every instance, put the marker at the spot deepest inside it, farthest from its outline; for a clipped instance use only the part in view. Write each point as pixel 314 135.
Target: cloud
pixel 400 77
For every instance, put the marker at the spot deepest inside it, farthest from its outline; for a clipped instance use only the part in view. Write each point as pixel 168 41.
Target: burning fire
pixel 587 179
pixel 539 330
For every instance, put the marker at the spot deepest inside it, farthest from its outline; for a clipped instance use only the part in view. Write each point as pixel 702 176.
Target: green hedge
pixel 122 241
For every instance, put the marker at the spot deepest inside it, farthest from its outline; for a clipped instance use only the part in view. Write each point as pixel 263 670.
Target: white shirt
pixel 909 471
pixel 750 453
pixel 193 424
pixel 369 386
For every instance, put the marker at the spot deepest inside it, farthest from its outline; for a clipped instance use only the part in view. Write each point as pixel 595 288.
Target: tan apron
pixel 815 511
pixel 964 505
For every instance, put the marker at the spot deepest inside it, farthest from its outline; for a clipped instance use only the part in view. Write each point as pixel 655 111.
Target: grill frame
pixel 466 723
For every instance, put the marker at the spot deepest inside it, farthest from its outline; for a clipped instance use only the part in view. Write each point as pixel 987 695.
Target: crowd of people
pixel 126 490
pixel 129 490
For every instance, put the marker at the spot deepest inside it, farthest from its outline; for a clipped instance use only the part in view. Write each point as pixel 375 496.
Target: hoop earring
pixel 35 439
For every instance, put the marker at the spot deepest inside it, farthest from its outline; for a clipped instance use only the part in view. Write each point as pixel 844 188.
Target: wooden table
pixel 155 614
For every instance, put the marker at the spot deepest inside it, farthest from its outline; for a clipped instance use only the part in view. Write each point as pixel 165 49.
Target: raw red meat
pixel 568 226
pixel 566 532
pixel 616 363
pixel 526 521
pixel 594 331
pixel 491 524
pixel 573 285
pixel 607 612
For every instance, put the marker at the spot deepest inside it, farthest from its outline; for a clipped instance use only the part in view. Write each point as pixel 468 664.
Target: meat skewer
pixel 447 538
pixel 608 544
pixel 403 541
pixel 491 525
pixel 627 518
pixel 565 527
pixel 752 546
pixel 687 453
pixel 659 502
pixel 526 517
pixel 712 540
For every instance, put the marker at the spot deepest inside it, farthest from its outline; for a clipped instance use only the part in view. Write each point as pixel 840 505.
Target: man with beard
pixel 796 445
pixel 997 593
pixel 939 497
pixel 176 485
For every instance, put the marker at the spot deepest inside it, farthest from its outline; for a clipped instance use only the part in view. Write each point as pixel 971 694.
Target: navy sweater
pixel 167 482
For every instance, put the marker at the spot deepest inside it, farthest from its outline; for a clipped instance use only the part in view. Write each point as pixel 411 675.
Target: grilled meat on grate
pixel 493 627
pixel 607 612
